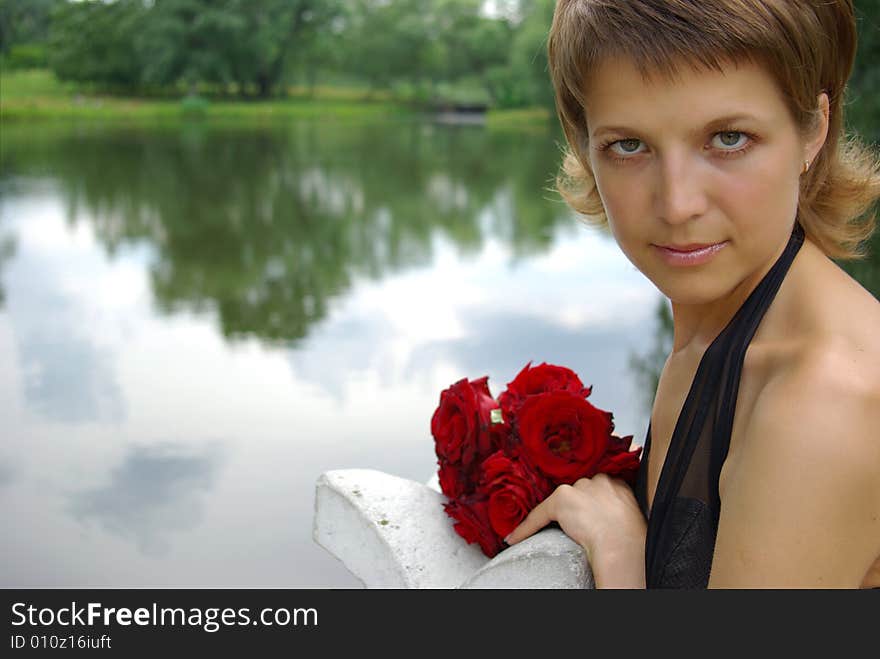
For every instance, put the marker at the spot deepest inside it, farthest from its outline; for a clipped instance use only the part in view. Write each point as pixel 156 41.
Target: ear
pixel 820 131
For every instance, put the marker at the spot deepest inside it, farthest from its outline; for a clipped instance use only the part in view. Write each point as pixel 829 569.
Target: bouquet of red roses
pixel 499 459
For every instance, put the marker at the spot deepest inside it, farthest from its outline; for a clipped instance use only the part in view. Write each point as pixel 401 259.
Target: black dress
pixel 683 522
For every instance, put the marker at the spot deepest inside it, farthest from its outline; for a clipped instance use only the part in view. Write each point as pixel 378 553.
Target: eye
pixel 729 140
pixel 626 147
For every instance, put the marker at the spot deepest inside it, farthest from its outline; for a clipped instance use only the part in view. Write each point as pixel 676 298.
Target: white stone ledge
pixel 392 532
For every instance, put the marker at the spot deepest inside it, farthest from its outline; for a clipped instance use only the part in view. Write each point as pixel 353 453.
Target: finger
pixel 539 517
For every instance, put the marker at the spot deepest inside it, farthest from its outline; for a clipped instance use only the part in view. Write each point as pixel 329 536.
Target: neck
pixel 695 326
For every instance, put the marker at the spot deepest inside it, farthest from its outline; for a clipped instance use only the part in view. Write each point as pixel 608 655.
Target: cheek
pixel 761 196
pixel 628 209
pixel 625 204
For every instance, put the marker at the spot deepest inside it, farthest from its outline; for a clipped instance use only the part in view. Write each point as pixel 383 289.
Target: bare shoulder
pixel 802 505
pixel 824 403
pixel 827 383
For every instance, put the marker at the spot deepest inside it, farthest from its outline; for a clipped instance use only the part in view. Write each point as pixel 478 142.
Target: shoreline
pixel 36 96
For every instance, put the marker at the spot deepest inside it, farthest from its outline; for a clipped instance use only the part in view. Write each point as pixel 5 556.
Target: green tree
pixel 469 42
pixel 525 80
pixel 90 41
pixel 864 88
pixel 24 22
pixel 189 41
pixel 389 41
pixel 165 43
pixel 423 42
pixel 273 34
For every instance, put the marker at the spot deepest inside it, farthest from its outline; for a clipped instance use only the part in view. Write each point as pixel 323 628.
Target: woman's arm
pixel 801 504
pixel 602 515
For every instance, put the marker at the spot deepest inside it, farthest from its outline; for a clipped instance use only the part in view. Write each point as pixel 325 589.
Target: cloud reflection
pixel 495 343
pixel 156 491
pixel 500 344
pixel 68 369
pixel 358 343
pixel 7 474
pixel 68 379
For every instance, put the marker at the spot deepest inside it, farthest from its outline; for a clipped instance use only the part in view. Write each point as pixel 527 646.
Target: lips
pixel 689 254
pixel 687 248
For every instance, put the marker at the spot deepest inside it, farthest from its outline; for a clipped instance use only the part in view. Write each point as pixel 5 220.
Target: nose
pixel 680 195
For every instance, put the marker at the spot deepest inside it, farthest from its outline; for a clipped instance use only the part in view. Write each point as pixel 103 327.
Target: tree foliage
pixel 245 44
pixel 24 22
pixel 258 47
pixel 24 30
pixel 91 42
pixel 864 97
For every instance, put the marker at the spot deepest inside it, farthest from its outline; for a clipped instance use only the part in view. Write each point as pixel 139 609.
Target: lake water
pixel 196 322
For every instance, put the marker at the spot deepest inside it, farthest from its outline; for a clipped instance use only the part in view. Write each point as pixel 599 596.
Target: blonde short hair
pixel 808 47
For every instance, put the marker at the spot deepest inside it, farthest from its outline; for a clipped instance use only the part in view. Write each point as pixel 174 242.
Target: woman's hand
pixel 602 515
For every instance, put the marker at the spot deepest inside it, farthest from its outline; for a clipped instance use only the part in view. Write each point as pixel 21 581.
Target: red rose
pixel 454 482
pixel 461 423
pixel 472 524
pixel 619 461
pixel 617 444
pixel 513 491
pixel 540 379
pixel 563 435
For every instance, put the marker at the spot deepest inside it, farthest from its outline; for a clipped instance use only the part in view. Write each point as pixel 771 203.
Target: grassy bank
pixel 37 95
pixel 519 119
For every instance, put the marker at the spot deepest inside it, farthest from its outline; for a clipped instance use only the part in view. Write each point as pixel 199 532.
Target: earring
pixel 806 166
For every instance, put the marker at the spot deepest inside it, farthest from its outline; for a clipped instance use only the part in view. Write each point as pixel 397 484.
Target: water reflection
pixel 353 346
pixel 155 491
pixel 268 226
pixel 648 365
pixel 66 379
pixel 501 344
pixel 67 370
pixel 7 474
pixel 7 252
pixel 302 291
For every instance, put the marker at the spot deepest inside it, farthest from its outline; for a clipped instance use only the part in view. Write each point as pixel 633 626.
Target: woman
pixel 708 135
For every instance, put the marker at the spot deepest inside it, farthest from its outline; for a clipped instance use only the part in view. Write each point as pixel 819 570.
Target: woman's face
pixel 698 175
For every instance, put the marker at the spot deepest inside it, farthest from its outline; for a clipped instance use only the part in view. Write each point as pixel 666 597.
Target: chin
pixel 690 297
pixel 694 288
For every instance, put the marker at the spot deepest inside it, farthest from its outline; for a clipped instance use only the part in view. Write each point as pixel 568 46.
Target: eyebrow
pixel 715 124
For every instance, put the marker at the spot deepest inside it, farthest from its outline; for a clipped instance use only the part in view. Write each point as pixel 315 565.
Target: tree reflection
pixel 266 226
pixel 648 366
pixel 7 251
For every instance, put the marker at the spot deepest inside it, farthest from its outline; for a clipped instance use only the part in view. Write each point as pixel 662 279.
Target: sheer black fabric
pixel 683 521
